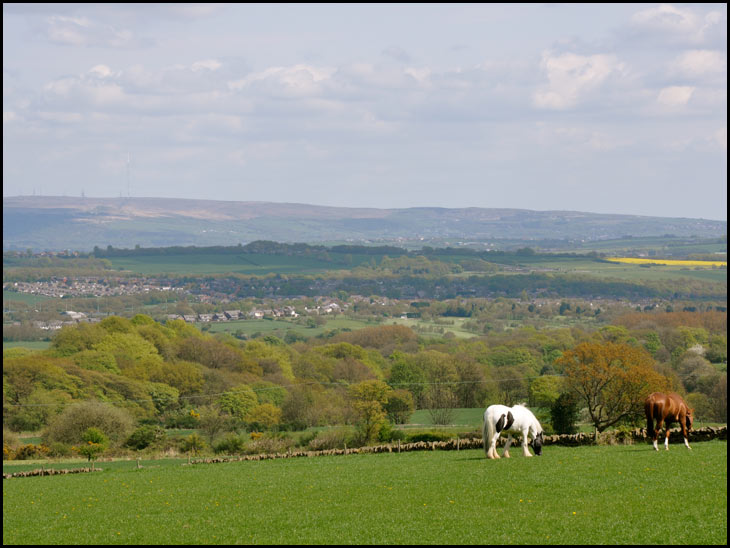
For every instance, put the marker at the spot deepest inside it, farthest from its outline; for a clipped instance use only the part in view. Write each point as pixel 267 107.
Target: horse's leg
pixel 657 431
pixel 525 450
pixel 685 433
pixel 492 454
pixel 654 436
pixel 667 427
pixel 650 429
pixel 505 454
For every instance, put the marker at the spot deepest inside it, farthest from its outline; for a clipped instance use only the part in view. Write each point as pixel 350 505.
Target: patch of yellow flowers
pixel 667 262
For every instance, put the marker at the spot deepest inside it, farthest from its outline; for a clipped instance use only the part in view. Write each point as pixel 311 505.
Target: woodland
pixel 150 381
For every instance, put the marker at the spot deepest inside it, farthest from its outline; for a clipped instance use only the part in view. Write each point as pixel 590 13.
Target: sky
pixel 604 108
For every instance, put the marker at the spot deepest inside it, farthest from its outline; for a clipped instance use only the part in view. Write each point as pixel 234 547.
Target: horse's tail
pixel 488 431
pixel 485 435
pixel 649 411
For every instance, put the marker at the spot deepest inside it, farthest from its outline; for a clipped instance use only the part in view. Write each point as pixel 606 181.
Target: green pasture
pixel 582 495
pixel 32 345
pixel 25 298
pixel 242 263
pixel 435 327
pixel 280 327
pixel 263 264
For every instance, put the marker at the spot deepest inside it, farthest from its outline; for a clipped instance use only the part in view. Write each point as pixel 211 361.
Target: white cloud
pixel 85 32
pixel 700 62
pixel 679 24
pixel 101 71
pixel 208 64
pixel 266 90
pixel 420 74
pixel 571 76
pixel 195 10
pixel 675 96
pixel 300 79
pixel 68 30
pixel 720 137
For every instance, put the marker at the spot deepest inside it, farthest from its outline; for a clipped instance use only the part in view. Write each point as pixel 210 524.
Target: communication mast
pixel 129 161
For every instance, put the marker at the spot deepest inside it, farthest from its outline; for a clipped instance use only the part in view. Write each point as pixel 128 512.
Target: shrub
pixel 388 434
pixel 58 449
pixel 69 426
pixel 93 443
pixel 332 438
pixel 621 435
pixel 188 418
pixel 10 438
pixel 230 445
pixel 145 436
pixel 428 436
pixel 30 451
pixel 400 406
pixel 564 414
pixel 265 416
pixel 270 444
pixel 192 444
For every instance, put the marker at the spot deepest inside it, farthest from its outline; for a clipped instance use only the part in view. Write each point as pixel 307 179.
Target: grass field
pixel 260 264
pixel 243 263
pixel 32 345
pixel 584 495
pixel 434 327
pixel 26 298
pixel 279 328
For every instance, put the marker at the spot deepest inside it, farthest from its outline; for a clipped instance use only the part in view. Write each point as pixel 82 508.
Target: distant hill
pixel 56 223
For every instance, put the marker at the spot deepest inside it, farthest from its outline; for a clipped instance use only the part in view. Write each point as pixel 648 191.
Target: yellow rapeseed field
pixel 668 262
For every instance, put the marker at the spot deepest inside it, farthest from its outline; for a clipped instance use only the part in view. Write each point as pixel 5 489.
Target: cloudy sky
pixel 600 108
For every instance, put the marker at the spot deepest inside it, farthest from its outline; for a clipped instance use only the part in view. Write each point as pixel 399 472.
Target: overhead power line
pixel 276 387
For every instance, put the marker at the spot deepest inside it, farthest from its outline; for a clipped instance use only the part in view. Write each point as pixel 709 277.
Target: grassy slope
pixel 586 495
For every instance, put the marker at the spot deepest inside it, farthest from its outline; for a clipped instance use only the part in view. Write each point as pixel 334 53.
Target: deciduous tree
pixel 611 380
pixel 368 399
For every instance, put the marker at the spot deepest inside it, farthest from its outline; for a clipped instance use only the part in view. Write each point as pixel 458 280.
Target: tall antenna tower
pixel 129 161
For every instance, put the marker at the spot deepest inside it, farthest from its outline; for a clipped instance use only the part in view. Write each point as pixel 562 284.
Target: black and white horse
pixel 512 420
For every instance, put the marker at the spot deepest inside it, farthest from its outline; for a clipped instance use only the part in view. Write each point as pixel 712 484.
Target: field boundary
pixel 618 437
pixel 610 438
pixel 49 472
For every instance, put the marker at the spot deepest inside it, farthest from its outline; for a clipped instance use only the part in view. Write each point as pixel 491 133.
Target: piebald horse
pixel 666 409
pixel 512 420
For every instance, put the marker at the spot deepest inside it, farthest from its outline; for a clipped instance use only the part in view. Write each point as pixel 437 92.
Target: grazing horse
pixel 667 408
pixel 512 420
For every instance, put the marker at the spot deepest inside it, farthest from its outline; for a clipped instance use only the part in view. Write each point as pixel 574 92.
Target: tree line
pixel 172 374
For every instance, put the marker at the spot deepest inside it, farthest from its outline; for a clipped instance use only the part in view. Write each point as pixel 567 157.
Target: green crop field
pixel 26 298
pixel 582 495
pixel 280 327
pixel 454 327
pixel 263 264
pixel 243 263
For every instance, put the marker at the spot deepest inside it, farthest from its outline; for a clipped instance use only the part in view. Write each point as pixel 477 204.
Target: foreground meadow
pixel 583 495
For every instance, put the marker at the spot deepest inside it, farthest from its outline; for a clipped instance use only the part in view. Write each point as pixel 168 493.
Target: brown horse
pixel 667 408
